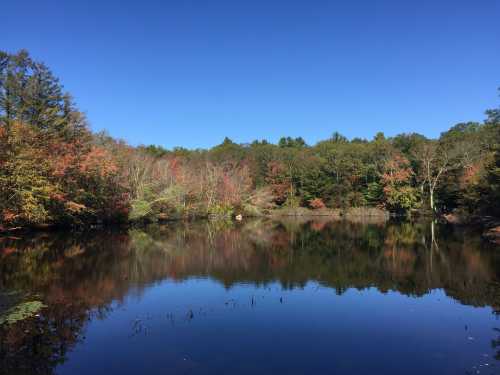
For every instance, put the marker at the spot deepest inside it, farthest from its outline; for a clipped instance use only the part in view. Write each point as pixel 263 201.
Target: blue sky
pixel 189 73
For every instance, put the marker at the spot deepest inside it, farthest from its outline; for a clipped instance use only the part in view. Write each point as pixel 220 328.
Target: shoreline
pixel 489 226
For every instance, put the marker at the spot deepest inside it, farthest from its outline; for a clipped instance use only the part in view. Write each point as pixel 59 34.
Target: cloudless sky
pixel 189 73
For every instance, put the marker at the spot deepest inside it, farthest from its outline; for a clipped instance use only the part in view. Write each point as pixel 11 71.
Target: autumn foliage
pixel 53 180
pixel 51 170
pixel 316 203
pixel 54 170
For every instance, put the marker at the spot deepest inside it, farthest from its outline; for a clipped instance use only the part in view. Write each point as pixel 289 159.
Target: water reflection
pixel 82 277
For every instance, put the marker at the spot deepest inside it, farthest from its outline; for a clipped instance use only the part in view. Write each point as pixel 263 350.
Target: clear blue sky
pixel 190 73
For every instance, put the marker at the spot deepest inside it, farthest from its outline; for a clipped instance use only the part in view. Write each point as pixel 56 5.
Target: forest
pixel 55 171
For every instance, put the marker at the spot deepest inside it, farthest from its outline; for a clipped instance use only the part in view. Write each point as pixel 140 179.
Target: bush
pixel 316 203
pixel 220 210
pixel 141 210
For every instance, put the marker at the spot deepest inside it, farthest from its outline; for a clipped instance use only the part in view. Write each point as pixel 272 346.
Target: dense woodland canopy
pixel 53 169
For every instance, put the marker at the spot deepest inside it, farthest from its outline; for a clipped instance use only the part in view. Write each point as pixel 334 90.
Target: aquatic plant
pixel 21 311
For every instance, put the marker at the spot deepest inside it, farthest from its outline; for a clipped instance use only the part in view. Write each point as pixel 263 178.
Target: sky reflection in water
pixel 295 297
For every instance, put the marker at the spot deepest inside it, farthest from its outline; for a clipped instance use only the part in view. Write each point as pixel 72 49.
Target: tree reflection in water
pixel 79 276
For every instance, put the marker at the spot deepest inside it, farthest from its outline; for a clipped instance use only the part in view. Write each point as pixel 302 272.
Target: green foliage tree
pixel 292 142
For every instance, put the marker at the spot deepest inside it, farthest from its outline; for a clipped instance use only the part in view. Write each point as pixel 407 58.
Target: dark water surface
pixel 260 297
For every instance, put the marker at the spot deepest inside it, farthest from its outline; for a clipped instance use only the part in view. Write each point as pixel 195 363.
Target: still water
pixel 260 297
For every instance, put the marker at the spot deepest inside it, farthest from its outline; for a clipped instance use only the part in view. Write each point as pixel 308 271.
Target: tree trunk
pixel 431 198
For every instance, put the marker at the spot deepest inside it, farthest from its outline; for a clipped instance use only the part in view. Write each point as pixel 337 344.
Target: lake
pixel 294 296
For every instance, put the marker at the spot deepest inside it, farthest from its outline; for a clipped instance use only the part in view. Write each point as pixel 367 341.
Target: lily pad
pixel 20 312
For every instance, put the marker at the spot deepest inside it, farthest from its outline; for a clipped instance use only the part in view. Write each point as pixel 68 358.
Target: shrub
pixel 316 203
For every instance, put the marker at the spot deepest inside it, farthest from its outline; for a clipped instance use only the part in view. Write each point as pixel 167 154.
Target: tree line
pixel 54 170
